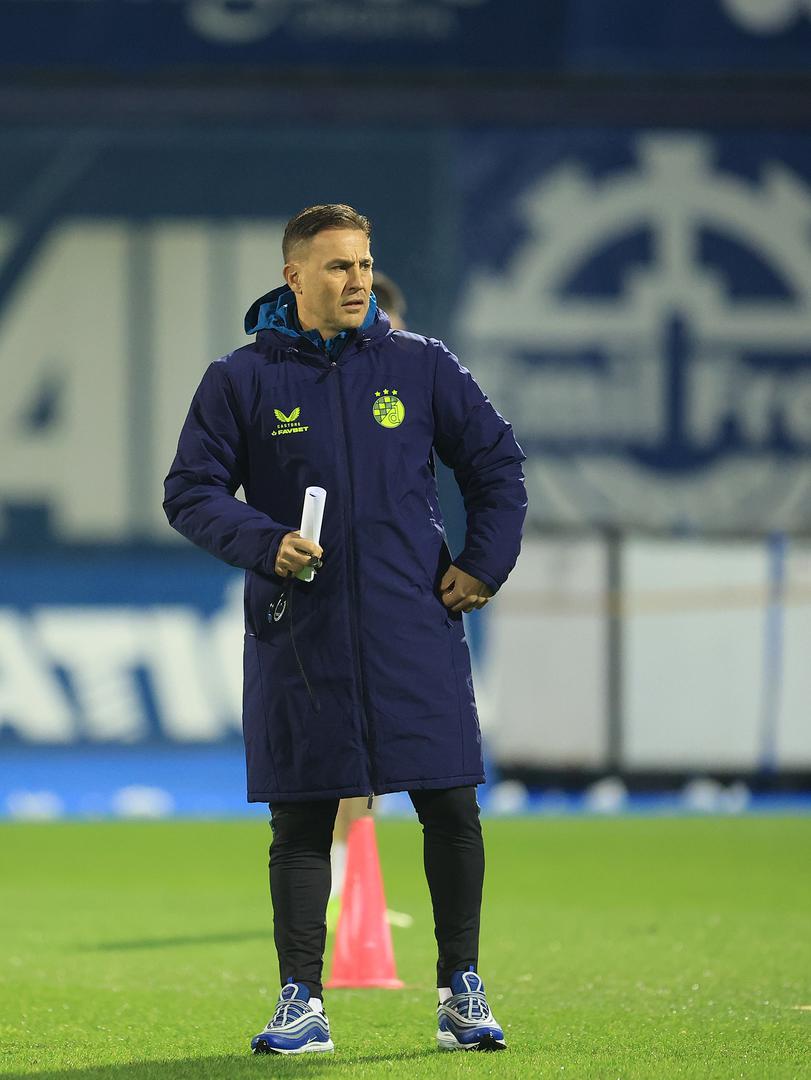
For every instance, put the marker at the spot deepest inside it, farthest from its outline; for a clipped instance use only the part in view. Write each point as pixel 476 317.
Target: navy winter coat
pixel 380 695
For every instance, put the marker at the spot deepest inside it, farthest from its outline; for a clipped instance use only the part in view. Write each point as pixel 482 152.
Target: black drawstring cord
pixel 313 698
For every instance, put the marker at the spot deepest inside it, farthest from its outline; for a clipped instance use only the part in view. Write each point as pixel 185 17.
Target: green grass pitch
pixel 611 948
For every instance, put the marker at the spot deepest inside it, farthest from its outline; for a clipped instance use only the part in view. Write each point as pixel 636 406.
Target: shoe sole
pixel 309 1048
pixel 446 1040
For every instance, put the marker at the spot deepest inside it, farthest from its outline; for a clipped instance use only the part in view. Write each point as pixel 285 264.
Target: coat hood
pixel 276 311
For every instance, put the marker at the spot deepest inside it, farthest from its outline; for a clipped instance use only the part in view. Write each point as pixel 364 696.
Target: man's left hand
pixel 462 592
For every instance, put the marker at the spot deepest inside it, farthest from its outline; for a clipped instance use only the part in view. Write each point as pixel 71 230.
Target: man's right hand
pixel 295 553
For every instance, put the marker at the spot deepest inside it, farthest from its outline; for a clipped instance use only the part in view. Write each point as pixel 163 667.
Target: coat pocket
pixel 266 607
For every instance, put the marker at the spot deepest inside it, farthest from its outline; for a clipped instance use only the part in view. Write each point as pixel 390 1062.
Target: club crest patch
pixel 387 408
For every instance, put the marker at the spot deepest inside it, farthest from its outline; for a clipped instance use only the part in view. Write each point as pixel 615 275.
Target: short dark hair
pixel 315 219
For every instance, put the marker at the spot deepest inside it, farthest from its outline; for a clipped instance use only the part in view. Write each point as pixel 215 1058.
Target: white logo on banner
pixel 50 410
pixel 671 303
pixel 192 665
pixel 767 16
pixel 241 23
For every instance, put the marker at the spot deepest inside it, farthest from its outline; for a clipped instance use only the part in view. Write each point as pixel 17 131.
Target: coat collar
pixel 274 319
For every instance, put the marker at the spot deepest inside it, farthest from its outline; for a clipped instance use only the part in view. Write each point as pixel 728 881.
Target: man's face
pixel 331 275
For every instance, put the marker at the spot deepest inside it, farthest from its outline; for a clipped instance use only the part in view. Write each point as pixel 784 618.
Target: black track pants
pixel 300 880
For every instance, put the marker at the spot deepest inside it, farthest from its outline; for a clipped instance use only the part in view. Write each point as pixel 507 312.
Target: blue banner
pixel 101 648
pixel 280 34
pixel 637 302
pixel 514 36
pixel 639 37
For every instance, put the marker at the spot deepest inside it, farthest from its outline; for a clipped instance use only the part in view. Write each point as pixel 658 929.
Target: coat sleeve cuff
pixel 477 572
pixel 269 568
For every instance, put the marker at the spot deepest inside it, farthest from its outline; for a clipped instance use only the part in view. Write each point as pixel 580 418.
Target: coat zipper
pixel 367 732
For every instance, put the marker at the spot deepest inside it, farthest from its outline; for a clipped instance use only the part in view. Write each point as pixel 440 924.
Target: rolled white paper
pixel 312 515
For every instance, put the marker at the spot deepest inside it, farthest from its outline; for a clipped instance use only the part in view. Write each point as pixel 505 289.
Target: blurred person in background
pixel 391 301
pixel 359 682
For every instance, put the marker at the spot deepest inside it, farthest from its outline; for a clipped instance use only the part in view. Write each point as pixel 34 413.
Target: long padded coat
pixel 358 682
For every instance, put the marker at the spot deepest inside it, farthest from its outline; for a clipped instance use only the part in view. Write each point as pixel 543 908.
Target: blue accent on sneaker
pixel 465 1021
pixel 295 1027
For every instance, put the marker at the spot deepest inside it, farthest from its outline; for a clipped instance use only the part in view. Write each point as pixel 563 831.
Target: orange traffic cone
pixel 363 953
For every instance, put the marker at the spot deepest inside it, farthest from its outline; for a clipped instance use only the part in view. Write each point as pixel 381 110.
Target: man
pixel 357 683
